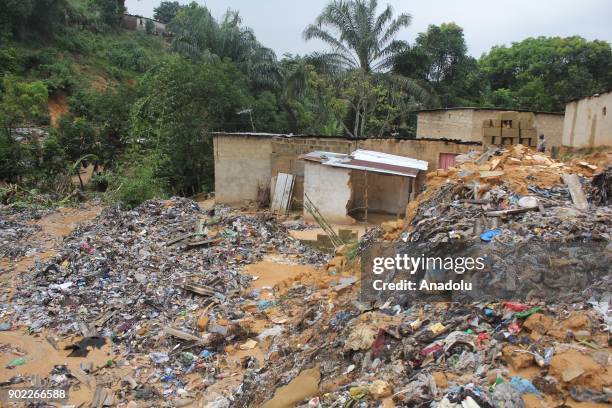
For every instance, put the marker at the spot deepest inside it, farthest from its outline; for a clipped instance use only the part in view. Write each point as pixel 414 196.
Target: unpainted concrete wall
pixel 387 193
pixel 551 126
pixel 588 122
pixel 448 124
pixel 329 190
pixel 466 124
pixel 242 164
pixel 242 161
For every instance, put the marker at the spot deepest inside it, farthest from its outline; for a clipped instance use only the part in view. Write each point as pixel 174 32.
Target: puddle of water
pixel 305 385
pixel 54 227
pixel 270 274
pixel 41 357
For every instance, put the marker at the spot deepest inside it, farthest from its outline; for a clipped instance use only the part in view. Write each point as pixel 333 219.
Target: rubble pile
pixel 169 294
pixel 161 285
pixel 503 354
pixel 521 191
pixel 481 353
pixel 15 227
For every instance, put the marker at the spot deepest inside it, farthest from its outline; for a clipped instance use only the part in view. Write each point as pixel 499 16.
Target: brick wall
pixel 243 161
pixel 466 124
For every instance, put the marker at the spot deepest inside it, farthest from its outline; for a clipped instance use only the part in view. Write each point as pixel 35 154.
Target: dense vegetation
pixel 141 107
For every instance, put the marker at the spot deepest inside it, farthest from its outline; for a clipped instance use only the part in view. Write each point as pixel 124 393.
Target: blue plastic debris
pixel 487 236
pixel 264 304
pixel 523 385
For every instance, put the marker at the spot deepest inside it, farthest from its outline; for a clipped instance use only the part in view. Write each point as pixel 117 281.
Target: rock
pixel 577 321
pixel 516 358
pixel 389 226
pixel 380 389
pixel 361 338
pixel 574 368
pixel 440 379
pixel 202 322
pixel 539 323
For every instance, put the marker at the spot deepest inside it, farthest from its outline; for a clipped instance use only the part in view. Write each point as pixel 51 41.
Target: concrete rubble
pixel 172 305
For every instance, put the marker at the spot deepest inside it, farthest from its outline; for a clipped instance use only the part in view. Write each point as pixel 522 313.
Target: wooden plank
pixel 282 192
pixel 501 213
pixel 575 189
pixel 487 155
pixel 179 334
pixel 203 291
pixel 287 193
pixel 179 238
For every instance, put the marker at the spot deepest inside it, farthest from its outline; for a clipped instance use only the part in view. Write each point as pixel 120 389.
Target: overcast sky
pixel 278 24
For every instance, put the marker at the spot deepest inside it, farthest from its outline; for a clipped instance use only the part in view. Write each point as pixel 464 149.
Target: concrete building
pixel 349 187
pixel 588 121
pixel 247 162
pixel 139 23
pixel 467 124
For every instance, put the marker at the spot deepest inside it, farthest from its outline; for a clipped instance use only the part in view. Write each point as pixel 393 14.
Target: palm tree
pixel 358 37
pixel 202 38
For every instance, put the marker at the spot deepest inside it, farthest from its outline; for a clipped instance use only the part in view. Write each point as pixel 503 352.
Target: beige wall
pixel 241 164
pixel 588 122
pixel 329 190
pixel 243 161
pixel 448 124
pixel 466 124
pixel 387 193
pixel 551 126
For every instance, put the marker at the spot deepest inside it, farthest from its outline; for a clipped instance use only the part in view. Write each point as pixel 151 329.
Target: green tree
pixel 110 11
pixel 182 103
pixel 20 103
pixel 359 38
pixel 77 137
pixel 200 37
pixel 543 73
pixel 439 57
pixel 166 11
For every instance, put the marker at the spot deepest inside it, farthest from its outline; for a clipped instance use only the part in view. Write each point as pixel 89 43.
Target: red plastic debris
pixel 516 307
pixel 379 343
pixel 514 328
pixel 432 349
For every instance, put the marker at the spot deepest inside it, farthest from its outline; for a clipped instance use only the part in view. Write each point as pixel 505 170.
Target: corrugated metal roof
pixel 368 160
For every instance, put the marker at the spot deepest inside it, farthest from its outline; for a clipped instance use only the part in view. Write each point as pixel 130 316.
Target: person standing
pixel 542 144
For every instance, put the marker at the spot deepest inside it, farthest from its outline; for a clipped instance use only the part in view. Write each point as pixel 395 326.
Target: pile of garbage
pixel 159 287
pixel 15 226
pixel 549 346
pixel 505 354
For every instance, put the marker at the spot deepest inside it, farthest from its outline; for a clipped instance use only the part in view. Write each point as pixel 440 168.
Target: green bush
pixel 139 184
pixel 100 181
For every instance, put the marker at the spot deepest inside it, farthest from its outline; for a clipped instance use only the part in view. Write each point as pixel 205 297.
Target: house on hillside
pixel 139 23
pixel 588 121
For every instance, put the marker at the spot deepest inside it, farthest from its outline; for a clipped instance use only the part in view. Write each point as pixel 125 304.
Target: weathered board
pixel 282 192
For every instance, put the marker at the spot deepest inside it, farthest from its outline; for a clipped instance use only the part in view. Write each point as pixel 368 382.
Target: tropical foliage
pixel 143 107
